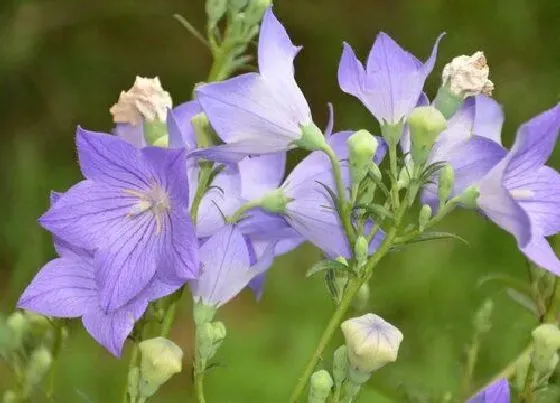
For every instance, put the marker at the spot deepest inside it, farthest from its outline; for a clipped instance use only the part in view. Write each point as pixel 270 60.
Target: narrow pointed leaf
pixel 322 265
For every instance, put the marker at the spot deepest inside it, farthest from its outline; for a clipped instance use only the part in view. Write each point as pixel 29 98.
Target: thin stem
pixel 168 318
pixel 472 356
pixel 132 363
pixel 551 315
pixel 528 394
pixel 394 170
pixel 199 386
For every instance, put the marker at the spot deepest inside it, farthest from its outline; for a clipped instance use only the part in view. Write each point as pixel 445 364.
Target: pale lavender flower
pixel 132 211
pixel 67 287
pixel 226 267
pixel 522 195
pixel 263 112
pixel 496 392
pixel 392 81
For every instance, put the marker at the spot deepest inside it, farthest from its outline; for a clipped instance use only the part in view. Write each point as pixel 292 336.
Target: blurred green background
pixel 64 62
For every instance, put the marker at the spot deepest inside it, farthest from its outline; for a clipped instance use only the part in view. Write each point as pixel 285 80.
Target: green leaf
pixel 523 300
pixel 325 264
pixel 434 235
pixel 430 171
pixel 330 280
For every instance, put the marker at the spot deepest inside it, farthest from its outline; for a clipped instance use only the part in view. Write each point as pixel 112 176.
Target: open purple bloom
pixel 471 144
pixel 132 211
pixel 522 195
pixel 263 112
pixel 66 287
pixel 226 267
pixel 496 392
pixel 392 81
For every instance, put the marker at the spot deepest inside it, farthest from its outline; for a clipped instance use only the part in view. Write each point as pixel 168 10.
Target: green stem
pixel 168 319
pixel 528 394
pixel 132 363
pixel 472 356
pixel 551 315
pixel 394 170
pixel 199 386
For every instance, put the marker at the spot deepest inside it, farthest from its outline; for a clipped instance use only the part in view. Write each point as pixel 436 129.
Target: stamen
pixel 522 194
pixel 155 200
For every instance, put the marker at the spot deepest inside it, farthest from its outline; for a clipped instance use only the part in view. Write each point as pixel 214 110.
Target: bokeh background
pixel 63 63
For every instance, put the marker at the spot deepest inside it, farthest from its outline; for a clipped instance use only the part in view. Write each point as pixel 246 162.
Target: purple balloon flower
pixel 226 267
pixel 522 195
pixel 263 112
pixel 496 392
pixel 67 287
pixel 392 81
pixel 132 211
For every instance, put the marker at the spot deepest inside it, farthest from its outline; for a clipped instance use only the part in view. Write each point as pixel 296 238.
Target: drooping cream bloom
pixel 468 75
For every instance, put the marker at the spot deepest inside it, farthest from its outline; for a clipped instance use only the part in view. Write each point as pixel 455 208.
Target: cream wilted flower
pixel 161 359
pixel 468 75
pixel 372 342
pixel 146 100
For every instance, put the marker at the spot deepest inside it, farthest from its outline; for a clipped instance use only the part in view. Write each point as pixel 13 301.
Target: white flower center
pixel 155 201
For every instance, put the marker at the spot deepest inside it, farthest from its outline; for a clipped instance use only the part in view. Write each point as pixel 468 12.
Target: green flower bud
pixel 10 397
pixel 275 201
pixel 424 217
pixel 17 327
pixel 445 183
pixel 372 342
pixel 311 139
pixel 469 197
pixel 39 363
pixel 215 10
pixel 203 313
pixel 154 130
pixel 546 342
pixel 340 365
pixel 425 123
pixel 161 359
pixel 209 338
pixel 361 249
pixel 320 387
pixel 482 319
pixel 203 132
pixel 361 299
pixel 362 147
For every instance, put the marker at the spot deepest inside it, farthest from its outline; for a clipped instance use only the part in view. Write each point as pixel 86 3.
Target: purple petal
pixel 64 287
pixel 109 159
pixel 179 127
pixel 498 204
pixel 538 193
pixel 539 251
pixel 225 269
pixel 393 80
pixel 489 118
pixel 534 143
pixel 261 174
pixel 112 329
pixel 497 392
pixel 132 134
pixel 351 73
pixel 249 112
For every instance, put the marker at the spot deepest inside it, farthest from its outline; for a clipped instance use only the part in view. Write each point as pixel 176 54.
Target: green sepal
pixel 325 264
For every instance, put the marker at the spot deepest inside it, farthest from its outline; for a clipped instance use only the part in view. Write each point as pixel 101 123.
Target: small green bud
pixel 425 123
pixel 161 359
pixel 10 397
pixel 17 326
pixel 340 365
pixel 215 10
pixel 361 299
pixel 312 138
pixel 39 363
pixel 445 183
pixel 154 130
pixel 424 217
pixel 546 342
pixel 372 342
pixel 469 197
pixel 203 131
pixel 275 201
pixel 361 249
pixel 482 319
pixel 321 384
pixel 362 147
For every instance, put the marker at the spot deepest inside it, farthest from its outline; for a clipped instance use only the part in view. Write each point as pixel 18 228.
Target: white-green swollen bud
pixel 361 299
pixel 372 342
pixel 215 10
pixel 361 249
pixel 469 196
pixel 17 326
pixel 546 342
pixel 445 183
pixel 312 138
pixel 425 123
pixel 161 359
pixel 320 386
pixel 362 147
pixel 424 217
pixel 340 365
pixel 39 363
pixel 275 201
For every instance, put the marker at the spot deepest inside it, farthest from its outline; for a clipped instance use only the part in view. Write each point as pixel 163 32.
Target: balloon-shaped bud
pixel 312 138
pixel 275 201
pixel 425 124
pixel 362 147
pixel 546 342
pixel 320 386
pixel 160 360
pixel 340 365
pixel 445 183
